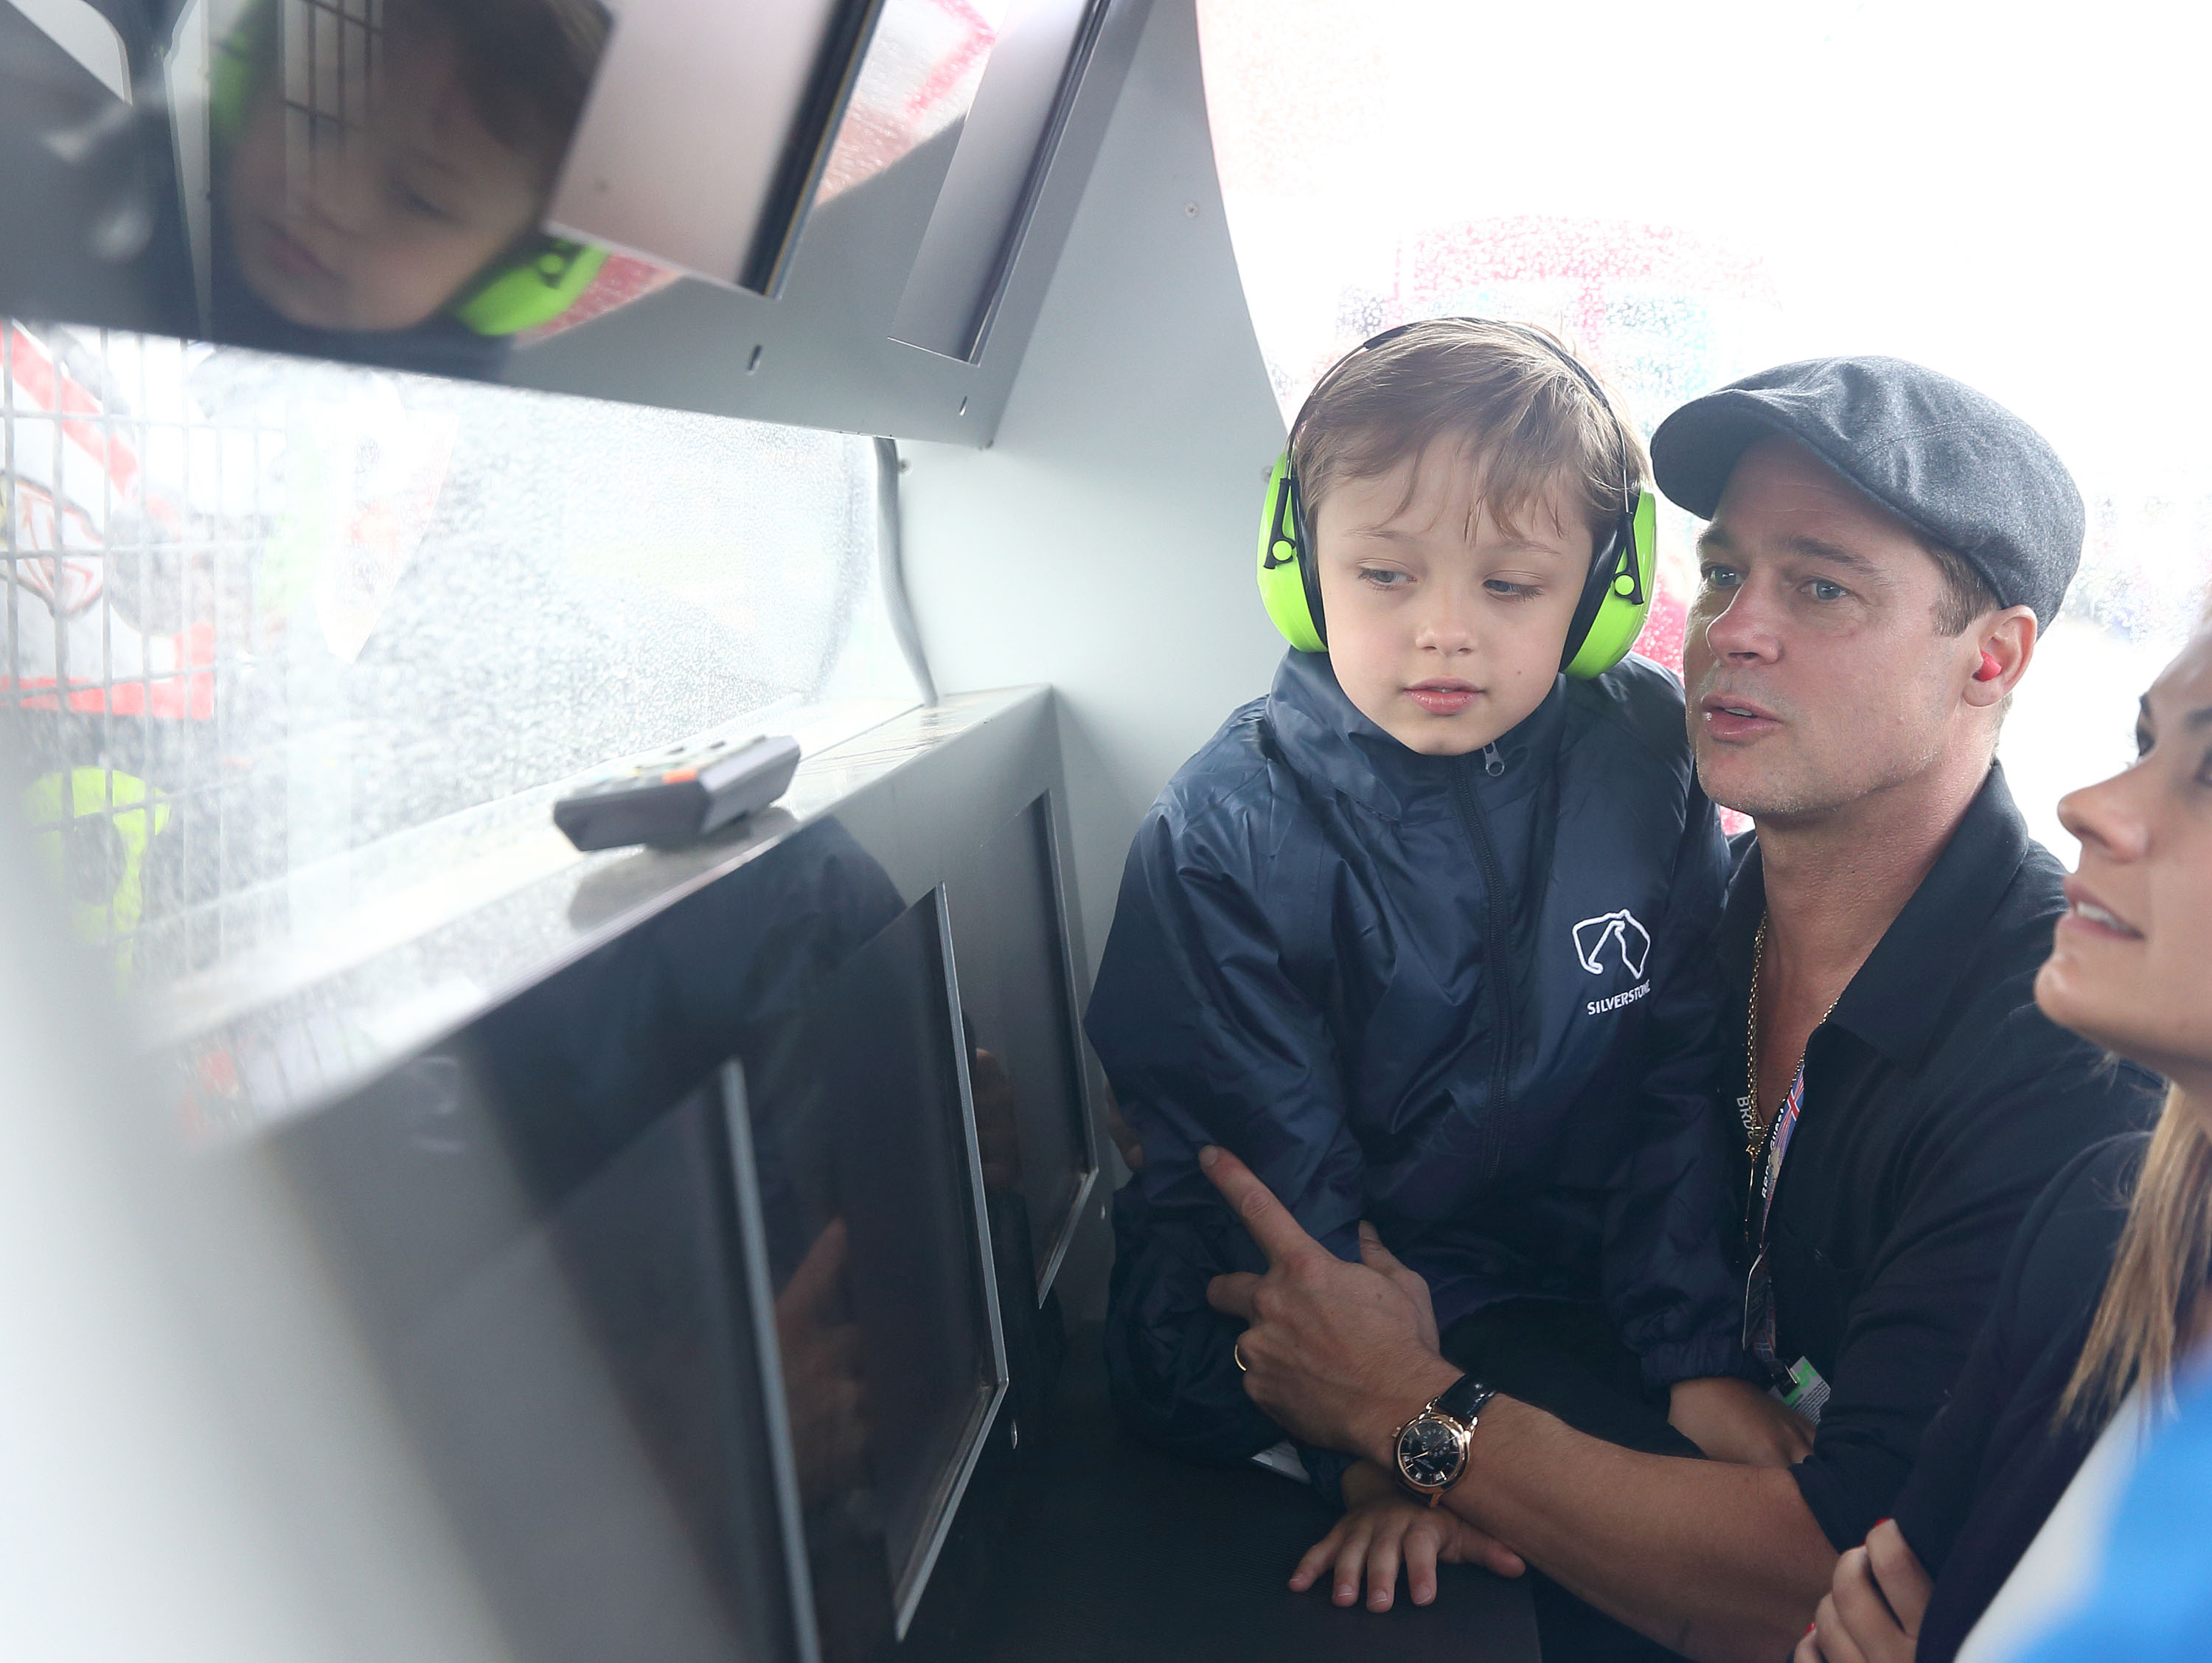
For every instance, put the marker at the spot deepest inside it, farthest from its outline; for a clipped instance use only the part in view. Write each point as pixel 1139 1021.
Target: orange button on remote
pixel 678 775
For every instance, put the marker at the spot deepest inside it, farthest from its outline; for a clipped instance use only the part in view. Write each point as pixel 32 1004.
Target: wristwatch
pixel 1433 1446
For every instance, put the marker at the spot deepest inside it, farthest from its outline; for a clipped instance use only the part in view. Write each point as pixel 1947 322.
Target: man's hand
pixel 1383 1527
pixel 1733 1420
pixel 1334 1353
pixel 1874 1605
pixel 823 1383
pixel 1374 1255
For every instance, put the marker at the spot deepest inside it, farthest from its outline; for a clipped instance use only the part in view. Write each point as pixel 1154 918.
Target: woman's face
pixel 2132 964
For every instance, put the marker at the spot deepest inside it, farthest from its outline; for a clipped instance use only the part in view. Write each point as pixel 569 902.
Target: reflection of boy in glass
pixel 411 160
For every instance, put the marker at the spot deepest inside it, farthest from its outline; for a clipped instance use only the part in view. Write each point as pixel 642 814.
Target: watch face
pixel 1429 1451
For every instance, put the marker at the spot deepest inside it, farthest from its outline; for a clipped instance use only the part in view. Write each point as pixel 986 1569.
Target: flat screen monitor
pixel 599 1405
pixel 1006 142
pixel 1010 946
pixel 866 1186
pixel 676 1264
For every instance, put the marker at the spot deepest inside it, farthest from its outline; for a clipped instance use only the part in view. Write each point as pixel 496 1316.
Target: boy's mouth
pixel 1443 696
pixel 293 257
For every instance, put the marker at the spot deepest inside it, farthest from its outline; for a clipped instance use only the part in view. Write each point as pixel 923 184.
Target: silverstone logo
pixel 1629 943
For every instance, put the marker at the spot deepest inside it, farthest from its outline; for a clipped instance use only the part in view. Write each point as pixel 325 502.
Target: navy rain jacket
pixel 1456 996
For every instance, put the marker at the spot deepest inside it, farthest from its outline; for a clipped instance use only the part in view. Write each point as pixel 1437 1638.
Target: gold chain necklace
pixel 1754 1133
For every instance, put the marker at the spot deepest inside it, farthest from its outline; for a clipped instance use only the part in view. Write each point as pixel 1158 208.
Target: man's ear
pixel 2003 644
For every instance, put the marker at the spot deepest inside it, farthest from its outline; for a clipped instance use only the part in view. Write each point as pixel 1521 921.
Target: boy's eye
pixel 2144 741
pixel 415 203
pixel 1505 589
pixel 1382 577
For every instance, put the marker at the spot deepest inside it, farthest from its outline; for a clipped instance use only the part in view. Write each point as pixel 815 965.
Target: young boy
pixel 1416 935
pixel 361 210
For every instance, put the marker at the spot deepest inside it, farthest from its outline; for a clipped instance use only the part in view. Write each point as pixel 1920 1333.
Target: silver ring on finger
pixel 1236 1351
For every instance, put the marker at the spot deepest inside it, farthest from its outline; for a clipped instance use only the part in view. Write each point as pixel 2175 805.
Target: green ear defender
pixel 525 293
pixel 1287 583
pixel 1607 619
pixel 1618 595
pixel 529 287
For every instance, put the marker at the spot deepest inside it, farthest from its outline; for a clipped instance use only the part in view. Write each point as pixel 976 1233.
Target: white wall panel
pixel 1105 543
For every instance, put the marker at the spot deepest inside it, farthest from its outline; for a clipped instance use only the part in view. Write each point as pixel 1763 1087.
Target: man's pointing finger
pixel 1267 1219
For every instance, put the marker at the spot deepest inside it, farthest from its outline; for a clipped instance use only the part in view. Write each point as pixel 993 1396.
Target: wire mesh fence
pixel 263 616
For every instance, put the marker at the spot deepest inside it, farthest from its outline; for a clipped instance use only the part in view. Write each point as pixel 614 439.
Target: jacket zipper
pixel 1497 921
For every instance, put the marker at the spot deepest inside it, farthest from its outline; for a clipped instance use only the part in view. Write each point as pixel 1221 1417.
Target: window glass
pixel 287 642
pixel 1691 195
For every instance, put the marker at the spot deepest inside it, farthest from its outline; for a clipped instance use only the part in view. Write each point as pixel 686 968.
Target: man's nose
pixel 1744 630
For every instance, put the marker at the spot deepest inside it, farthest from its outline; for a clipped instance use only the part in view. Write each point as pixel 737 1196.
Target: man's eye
pixel 2144 742
pixel 1822 589
pixel 1720 577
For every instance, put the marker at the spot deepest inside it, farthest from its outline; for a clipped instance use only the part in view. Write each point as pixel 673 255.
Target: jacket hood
pixel 1323 735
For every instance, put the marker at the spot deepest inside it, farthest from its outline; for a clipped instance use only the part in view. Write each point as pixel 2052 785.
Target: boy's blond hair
pixel 1523 416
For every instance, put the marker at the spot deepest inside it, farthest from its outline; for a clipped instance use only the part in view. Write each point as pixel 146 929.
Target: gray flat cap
pixel 1951 463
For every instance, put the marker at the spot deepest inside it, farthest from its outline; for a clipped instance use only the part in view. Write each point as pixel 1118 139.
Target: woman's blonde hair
pixel 2155 1298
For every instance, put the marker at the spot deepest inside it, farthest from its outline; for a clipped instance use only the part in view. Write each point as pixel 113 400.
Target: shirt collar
pixel 1323 735
pixel 1903 991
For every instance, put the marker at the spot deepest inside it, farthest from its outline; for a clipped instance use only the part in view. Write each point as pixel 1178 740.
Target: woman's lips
pixel 2085 912
pixel 1443 698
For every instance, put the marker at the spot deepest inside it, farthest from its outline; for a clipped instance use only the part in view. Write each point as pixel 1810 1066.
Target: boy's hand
pixel 1733 1420
pixel 1124 1134
pixel 1383 1529
pixel 1874 1606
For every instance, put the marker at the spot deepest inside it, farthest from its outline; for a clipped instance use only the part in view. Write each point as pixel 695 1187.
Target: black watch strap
pixel 1463 1399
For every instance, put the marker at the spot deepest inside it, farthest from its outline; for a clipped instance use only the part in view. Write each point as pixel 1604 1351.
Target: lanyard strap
pixel 1778 1146
pixel 1759 1333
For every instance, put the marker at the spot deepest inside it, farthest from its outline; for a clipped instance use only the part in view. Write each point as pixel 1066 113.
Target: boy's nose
pixel 1446 629
pixel 329 180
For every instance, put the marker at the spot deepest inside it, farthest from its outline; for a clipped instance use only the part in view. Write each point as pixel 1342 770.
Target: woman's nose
pixel 2105 815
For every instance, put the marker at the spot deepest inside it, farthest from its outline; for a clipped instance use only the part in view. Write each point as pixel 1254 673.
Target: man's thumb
pixel 1372 1253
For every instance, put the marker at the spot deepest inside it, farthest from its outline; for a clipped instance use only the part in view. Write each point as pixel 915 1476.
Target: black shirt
pixel 1938 1104
pixel 1997 1459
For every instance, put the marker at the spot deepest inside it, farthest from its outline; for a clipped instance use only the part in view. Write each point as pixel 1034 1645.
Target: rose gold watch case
pixel 1461 1435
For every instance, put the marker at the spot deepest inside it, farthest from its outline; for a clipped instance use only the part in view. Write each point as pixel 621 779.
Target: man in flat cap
pixel 1884 545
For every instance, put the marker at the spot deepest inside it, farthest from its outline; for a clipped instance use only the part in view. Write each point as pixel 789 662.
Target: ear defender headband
pixel 1616 595
pixel 533 285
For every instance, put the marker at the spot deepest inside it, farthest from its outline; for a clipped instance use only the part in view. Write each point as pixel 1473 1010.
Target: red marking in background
pixel 168 695
pixel 621 279
pixel 950 69
pixel 1591 254
pixel 53 388
pixel 1665 629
